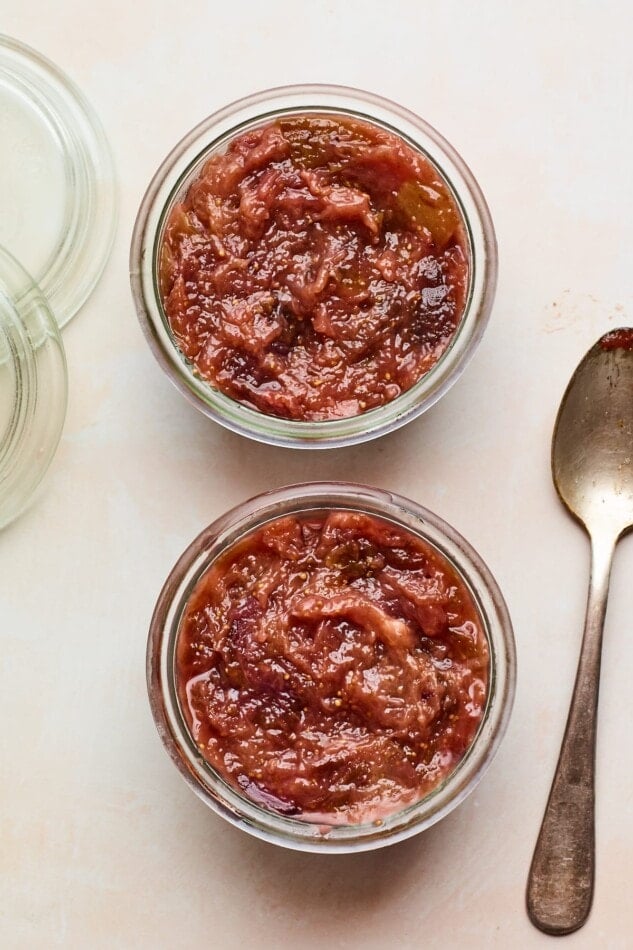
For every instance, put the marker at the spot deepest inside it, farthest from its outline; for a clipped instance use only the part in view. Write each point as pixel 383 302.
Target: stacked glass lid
pixel 57 219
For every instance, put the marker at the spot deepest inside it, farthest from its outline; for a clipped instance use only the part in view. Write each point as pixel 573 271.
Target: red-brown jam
pixel 620 339
pixel 332 667
pixel 316 269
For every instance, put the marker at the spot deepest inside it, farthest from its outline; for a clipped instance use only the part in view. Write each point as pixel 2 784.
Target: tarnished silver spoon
pixel 592 467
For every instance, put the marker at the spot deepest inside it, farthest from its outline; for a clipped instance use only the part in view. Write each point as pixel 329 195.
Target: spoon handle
pixel 560 882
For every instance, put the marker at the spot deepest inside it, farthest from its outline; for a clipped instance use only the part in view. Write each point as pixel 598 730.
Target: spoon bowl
pixel 592 446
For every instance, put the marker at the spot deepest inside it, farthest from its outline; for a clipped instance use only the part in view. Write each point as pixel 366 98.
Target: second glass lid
pixel 33 387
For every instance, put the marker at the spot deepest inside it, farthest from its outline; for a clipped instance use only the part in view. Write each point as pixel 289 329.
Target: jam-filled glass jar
pixel 183 168
pixel 310 500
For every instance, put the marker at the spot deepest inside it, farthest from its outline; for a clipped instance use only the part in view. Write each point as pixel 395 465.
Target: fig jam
pixel 316 269
pixel 332 667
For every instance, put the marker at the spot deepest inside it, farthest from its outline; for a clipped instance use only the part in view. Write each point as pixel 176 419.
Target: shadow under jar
pixel 313 266
pixel 374 657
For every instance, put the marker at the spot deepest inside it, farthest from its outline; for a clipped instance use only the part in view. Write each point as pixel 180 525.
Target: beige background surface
pixel 102 843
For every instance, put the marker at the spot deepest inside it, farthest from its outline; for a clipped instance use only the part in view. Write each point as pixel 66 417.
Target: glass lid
pixel 33 389
pixel 57 186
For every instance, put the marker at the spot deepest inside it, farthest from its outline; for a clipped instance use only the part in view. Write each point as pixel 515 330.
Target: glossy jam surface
pixel 316 269
pixel 332 667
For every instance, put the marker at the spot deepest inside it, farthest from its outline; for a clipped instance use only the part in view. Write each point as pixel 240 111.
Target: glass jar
pixel 171 722
pixel 184 164
pixel 33 387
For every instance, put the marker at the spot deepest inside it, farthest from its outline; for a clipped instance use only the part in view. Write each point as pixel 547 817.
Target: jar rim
pixel 181 166
pixel 175 733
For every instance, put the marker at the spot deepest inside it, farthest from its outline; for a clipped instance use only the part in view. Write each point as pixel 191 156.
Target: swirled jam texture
pixel 316 269
pixel 332 667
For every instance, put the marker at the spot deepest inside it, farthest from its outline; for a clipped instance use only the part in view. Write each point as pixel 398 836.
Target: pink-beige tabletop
pixel 101 843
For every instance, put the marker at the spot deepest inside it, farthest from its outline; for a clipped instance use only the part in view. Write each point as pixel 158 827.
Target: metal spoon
pixel 592 467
